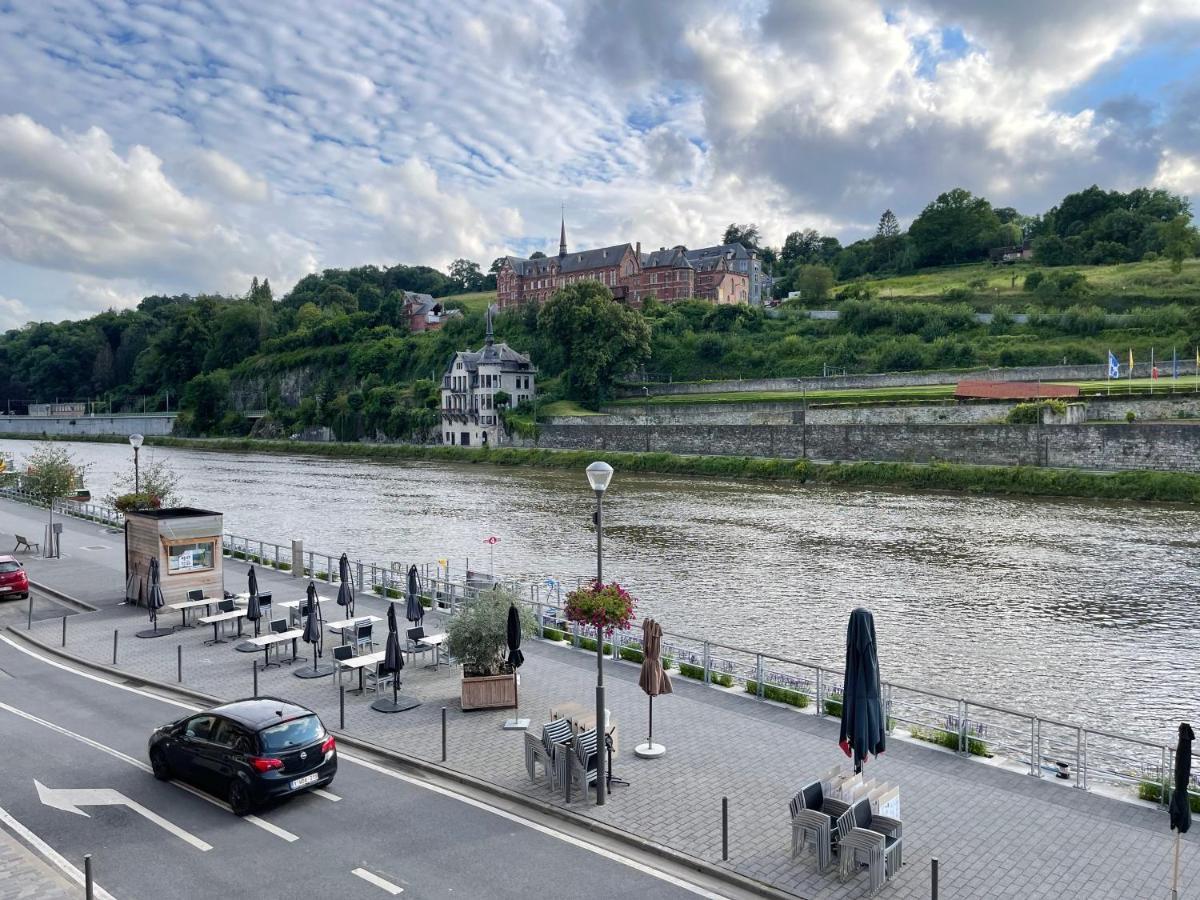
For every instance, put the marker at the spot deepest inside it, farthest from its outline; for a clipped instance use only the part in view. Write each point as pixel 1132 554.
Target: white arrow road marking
pixel 372 878
pixel 52 855
pixel 137 763
pixel 70 799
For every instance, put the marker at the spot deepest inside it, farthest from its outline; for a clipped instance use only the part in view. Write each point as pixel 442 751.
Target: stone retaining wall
pixel 158 424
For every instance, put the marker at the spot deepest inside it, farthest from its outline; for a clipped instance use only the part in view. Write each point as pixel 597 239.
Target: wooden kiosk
pixel 187 544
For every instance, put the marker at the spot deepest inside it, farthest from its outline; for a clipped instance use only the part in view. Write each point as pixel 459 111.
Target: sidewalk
pixel 23 874
pixel 996 833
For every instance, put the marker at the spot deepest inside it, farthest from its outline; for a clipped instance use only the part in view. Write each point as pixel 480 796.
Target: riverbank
pixel 1170 487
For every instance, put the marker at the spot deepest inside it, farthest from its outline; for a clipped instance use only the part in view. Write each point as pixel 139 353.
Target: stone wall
pixel 155 424
pixel 1114 446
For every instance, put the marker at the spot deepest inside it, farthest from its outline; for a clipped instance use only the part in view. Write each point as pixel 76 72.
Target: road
pixel 75 781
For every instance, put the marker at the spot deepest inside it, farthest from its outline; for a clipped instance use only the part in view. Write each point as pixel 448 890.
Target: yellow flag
pixel 1130 362
pixel 443 563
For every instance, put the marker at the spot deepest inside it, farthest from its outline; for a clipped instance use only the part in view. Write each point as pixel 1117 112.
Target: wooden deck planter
pixel 489 692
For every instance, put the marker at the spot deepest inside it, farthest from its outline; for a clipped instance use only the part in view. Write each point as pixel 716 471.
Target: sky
pixel 188 146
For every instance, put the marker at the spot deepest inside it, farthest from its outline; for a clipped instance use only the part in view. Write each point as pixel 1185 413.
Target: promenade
pixel 996 833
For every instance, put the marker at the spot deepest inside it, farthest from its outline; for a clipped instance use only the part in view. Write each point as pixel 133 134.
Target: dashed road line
pixel 328 795
pixel 372 878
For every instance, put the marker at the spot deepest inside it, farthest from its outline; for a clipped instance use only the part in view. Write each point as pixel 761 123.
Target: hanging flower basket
pixel 605 607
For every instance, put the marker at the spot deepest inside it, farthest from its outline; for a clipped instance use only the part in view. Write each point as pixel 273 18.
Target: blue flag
pixel 1114 367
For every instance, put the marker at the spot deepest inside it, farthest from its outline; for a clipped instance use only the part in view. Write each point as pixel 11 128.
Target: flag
pixel 443 563
pixel 1114 367
pixel 1130 362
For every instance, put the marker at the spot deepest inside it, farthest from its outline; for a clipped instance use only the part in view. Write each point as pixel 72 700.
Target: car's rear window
pixel 6 567
pixel 296 733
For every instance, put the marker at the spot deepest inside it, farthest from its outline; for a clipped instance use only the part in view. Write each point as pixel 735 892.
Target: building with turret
pixel 470 412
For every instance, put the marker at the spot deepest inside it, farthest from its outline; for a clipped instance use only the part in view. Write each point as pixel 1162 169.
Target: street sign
pixel 70 799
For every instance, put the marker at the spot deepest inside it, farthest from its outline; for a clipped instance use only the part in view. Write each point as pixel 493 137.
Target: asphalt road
pixel 374 831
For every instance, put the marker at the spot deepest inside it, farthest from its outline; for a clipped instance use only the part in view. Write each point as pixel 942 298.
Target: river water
pixel 1073 609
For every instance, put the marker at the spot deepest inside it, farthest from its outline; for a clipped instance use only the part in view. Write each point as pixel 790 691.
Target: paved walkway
pixel 25 876
pixel 996 833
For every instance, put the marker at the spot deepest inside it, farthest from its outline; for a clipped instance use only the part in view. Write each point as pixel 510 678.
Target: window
pixel 296 733
pixel 654 278
pixel 6 567
pixel 189 557
pixel 199 727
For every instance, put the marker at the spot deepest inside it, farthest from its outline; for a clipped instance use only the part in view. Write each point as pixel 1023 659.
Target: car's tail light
pixel 329 744
pixel 265 763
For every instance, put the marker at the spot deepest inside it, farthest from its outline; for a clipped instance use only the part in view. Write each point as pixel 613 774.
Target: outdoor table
pixel 215 622
pixel 343 625
pixel 360 663
pixel 186 606
pixel 293 606
pixel 583 718
pixel 435 641
pixel 276 639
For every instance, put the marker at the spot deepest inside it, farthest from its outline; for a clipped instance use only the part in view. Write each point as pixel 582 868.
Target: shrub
pixel 668 661
pixel 1031 413
pixel 1153 791
pixel 948 739
pixel 588 643
pixel 833 708
pixel 632 654
pixel 724 679
pixel 779 694
pixel 1032 280
pixel 553 634
pixel 478 634
pixel 1130 415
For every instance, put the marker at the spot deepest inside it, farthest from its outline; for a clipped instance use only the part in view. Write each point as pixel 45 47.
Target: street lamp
pixel 135 441
pixel 599 474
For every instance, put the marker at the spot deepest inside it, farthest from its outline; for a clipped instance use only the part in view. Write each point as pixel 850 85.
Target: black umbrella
pixel 863 721
pixel 515 656
pixel 313 636
pixel 1181 808
pixel 253 612
pixel 345 595
pixel 392 664
pixel 413 610
pixel 154 602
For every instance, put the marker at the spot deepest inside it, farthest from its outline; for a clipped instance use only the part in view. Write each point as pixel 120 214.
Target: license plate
pixel 305 781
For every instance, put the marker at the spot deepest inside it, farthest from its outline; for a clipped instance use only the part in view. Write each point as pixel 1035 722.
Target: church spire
pixel 562 234
pixel 489 338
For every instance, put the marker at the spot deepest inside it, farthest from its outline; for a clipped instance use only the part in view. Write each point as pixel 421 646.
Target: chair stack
pixel 575 766
pixel 555 735
pixel 871 840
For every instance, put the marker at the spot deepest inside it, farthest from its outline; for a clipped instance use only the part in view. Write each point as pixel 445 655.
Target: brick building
pixel 668 274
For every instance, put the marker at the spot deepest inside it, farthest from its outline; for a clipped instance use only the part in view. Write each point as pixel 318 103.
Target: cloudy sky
pixel 169 147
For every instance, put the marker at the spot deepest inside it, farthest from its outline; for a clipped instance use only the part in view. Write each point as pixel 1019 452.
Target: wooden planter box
pixel 489 692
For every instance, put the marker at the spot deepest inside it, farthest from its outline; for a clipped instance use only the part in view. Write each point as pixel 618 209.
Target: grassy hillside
pixel 477 302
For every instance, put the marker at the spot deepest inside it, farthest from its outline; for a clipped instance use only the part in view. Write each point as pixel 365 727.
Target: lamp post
pixel 135 441
pixel 599 474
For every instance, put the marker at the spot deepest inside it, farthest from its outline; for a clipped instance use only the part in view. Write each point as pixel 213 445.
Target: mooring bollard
pixel 88 890
pixel 64 631
pixel 933 874
pixel 254 666
pixel 443 734
pixel 179 663
pixel 724 828
pixel 115 635
pixel 341 707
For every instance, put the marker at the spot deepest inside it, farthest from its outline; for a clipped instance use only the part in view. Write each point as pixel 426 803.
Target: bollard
pixel 179 663
pixel 29 621
pixel 933 874
pixel 341 707
pixel 88 887
pixel 114 646
pixel 254 666
pixel 724 828
pixel 64 631
pixel 443 734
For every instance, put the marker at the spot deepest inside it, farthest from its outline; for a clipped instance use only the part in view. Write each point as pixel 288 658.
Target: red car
pixel 13 580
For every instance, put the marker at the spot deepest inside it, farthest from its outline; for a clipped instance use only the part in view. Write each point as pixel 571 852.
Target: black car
pixel 247 752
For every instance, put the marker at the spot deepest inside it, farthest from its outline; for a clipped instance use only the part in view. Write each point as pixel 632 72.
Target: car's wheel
pixel 239 798
pixel 159 765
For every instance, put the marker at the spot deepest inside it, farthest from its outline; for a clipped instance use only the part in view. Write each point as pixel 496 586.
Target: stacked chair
pixel 568 760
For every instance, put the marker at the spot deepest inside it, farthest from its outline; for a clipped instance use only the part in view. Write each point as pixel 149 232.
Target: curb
pixel 423 767
pixel 66 599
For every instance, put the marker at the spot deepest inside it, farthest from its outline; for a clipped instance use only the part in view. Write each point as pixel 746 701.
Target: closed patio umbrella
pixel 253 612
pixel 345 595
pixel 314 636
pixel 654 681
pixel 154 602
pixel 863 721
pixel 1181 809
pixel 413 610
pixel 392 664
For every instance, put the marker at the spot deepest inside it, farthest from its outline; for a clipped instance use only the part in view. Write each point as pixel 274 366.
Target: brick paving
pixel 995 832
pixel 23 875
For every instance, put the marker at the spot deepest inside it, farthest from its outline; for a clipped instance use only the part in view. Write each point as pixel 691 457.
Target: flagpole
pixel 1152 371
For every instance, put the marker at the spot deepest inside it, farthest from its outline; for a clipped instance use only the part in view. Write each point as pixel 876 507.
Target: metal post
pixel 600 755
pixel 341 707
pixel 329 569
pixel 64 642
pixel 758 676
pixel 115 646
pixel 1033 766
pixel 1081 776
pixel 724 828
pixel 820 705
pixel 29 621
pixel 254 667
pixel 933 875
pixel 88 887
pixel 706 662
pixel 443 734
pixel 1038 761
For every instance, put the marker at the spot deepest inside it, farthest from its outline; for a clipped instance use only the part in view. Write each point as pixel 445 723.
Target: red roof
pixel 1013 390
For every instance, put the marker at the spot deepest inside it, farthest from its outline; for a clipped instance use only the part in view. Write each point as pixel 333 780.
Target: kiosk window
pixel 189 557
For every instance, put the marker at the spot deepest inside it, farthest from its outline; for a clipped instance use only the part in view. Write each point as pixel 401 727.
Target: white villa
pixel 470 417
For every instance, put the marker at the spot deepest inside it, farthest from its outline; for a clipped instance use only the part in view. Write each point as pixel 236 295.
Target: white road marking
pixel 52 855
pixel 536 826
pixel 328 795
pixel 145 767
pixel 70 799
pixel 374 879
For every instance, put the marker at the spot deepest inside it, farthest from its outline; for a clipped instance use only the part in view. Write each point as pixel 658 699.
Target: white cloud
pixel 228 178
pixel 13 313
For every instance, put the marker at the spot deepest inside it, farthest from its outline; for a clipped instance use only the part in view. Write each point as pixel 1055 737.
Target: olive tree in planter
pixel 477 637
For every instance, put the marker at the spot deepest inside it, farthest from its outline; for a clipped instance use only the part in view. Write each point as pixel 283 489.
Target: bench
pixel 32 547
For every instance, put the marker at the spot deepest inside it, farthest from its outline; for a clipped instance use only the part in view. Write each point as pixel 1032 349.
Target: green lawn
pixel 1153 278
pixel 477 302
pixel 564 408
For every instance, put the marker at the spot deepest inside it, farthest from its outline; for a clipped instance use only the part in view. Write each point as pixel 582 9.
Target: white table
pixel 277 639
pixel 435 641
pixel 293 606
pixel 361 663
pixel 215 622
pixel 343 625
pixel 185 606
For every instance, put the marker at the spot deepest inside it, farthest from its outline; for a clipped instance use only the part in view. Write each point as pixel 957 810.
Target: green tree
pixel 206 397
pixel 599 338
pixel 814 282
pixel 801 247
pixel 156 485
pixel 466 275
pixel 956 227
pixel 747 235
pixel 889 226
pixel 52 474
pixel 1179 241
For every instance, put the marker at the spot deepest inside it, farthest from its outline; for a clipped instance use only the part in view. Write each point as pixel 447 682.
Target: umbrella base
pixel 648 750
pixel 247 647
pixel 318 672
pixel 400 704
pixel 155 632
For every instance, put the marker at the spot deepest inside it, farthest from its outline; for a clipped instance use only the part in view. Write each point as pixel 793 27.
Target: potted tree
pixel 477 637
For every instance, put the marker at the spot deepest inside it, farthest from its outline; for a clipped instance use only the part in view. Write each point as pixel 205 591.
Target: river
pixel 1076 609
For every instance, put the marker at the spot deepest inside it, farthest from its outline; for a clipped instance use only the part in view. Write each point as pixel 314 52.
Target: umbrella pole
pixel 1175 879
pixel 650 735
